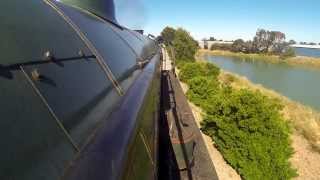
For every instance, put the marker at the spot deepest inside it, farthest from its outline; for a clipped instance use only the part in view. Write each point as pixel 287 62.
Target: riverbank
pixel 305 121
pixel 239 121
pixel 304 138
pixel 295 61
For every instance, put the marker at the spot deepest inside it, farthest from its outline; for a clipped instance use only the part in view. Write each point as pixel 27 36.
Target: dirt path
pixel 305 160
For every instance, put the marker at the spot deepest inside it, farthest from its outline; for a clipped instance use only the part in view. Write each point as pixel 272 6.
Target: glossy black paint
pixel 32 144
pixel 111 41
pixel 103 8
pixel 31 28
pixel 105 40
pixel 107 156
pixel 62 117
pixel 78 92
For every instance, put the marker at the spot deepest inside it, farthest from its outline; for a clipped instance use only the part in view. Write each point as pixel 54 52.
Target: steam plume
pixel 131 13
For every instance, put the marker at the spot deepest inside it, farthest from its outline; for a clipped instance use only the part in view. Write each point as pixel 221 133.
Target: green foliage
pixel 288 53
pixel 191 70
pixel 201 88
pixel 246 126
pixel 168 35
pixel 292 42
pixel 251 134
pixel 224 47
pixel 184 45
pixel 264 42
pixel 238 45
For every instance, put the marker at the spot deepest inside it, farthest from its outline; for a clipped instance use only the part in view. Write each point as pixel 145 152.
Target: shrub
pixel 225 47
pixel 238 45
pixel 250 133
pixel 288 53
pixel 191 70
pixel 246 126
pixel 211 70
pixel 201 88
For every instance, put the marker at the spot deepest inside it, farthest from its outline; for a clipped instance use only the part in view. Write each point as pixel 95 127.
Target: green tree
pixel 249 47
pixel 266 40
pixel 292 41
pixel 184 45
pixel 212 39
pixel 168 35
pixel 238 45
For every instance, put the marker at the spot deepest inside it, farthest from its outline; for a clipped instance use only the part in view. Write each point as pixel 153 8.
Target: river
pixel 298 83
pixel 307 52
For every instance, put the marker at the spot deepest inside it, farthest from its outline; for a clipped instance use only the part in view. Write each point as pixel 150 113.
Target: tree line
pixel 264 42
pixel 310 43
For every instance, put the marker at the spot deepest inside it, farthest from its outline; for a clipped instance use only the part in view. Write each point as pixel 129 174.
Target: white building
pixel 209 43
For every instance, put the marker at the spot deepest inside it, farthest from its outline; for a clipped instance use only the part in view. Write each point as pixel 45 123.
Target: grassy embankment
pixel 246 126
pixel 298 60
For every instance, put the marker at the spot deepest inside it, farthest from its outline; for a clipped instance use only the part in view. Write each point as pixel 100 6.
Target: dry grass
pixel 304 119
pixel 306 61
pixel 295 61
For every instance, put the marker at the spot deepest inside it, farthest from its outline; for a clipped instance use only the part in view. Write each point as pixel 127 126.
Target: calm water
pixel 298 83
pixel 307 52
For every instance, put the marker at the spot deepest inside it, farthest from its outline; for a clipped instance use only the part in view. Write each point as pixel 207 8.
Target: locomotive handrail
pixel 42 61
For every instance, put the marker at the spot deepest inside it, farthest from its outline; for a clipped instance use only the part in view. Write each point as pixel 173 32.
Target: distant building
pixel 208 43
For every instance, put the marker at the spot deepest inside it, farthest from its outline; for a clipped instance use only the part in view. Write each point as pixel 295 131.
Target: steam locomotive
pixel 79 93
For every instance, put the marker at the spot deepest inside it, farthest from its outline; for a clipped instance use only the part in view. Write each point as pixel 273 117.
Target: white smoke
pixel 131 13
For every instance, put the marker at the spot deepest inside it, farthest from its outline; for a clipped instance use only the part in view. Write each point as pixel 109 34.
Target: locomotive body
pixel 79 93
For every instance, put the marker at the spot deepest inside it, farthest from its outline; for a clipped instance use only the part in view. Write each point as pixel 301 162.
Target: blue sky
pixel 224 19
